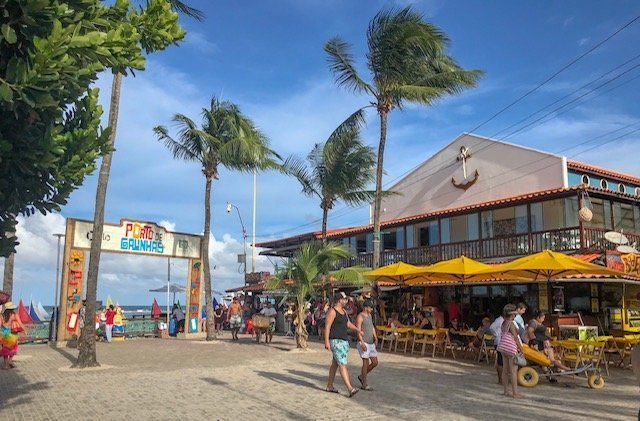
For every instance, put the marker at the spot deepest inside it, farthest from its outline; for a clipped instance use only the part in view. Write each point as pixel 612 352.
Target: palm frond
pixel 297 168
pixel 181 7
pixel 341 64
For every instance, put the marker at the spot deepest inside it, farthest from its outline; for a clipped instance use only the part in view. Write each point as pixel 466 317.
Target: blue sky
pixel 267 57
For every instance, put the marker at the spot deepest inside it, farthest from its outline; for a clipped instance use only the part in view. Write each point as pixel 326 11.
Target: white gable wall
pixel 505 170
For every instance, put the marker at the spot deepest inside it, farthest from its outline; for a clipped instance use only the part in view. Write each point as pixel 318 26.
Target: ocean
pixel 129 311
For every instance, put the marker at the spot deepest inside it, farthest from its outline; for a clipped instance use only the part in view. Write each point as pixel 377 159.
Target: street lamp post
pixel 54 333
pixel 244 236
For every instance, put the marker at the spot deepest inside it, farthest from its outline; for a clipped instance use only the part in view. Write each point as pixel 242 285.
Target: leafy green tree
pixel 408 63
pixel 302 275
pixel 157 27
pixel 340 168
pixel 50 136
pixel 227 138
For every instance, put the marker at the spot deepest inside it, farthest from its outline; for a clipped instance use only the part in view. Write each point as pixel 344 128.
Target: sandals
pixel 332 390
pixel 363 387
pixel 353 392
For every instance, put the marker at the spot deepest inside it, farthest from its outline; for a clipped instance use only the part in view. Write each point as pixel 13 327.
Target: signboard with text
pixel 138 237
pixel 627 263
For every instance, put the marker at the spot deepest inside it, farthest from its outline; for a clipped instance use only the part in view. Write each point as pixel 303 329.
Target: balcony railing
pixel 565 239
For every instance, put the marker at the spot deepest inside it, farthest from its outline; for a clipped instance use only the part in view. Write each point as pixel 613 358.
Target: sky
pixel 268 58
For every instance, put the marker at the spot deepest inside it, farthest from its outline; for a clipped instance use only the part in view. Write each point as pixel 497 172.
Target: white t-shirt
pixel 270 313
pixel 496 329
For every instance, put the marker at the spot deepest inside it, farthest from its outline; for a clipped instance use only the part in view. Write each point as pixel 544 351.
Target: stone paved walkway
pixel 169 379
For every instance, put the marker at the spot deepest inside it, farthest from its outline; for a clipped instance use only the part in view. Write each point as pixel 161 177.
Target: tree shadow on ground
pixel 284 378
pixel 17 390
pixel 66 354
pixel 214 382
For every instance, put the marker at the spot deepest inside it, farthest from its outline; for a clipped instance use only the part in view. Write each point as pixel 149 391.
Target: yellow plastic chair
pixel 403 335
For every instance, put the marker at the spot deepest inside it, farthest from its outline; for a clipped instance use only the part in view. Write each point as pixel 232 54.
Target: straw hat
pixel 10 306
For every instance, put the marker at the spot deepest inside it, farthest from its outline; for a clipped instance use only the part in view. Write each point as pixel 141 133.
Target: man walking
pixel 234 318
pixel 337 340
pixel 367 340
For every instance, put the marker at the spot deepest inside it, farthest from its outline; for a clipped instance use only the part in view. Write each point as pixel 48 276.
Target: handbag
pixel 520 359
pixel 16 327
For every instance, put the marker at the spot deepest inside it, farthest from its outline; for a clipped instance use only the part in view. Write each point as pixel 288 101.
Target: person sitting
pixel 550 353
pixel 454 333
pixel 482 330
pixel 423 321
pixel 394 322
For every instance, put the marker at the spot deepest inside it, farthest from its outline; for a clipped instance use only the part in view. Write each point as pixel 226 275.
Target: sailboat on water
pixel 37 312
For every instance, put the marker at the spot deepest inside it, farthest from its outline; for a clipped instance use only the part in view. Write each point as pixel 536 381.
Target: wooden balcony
pixel 566 239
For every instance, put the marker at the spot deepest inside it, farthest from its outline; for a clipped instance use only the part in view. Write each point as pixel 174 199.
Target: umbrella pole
pixel 168 284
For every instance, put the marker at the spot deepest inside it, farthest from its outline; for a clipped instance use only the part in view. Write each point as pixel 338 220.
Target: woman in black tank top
pixel 337 340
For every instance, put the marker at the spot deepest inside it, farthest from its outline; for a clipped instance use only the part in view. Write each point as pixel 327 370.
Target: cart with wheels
pixel 260 325
pixel 529 375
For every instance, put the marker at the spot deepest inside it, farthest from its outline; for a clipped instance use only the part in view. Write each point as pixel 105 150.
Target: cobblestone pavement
pixel 168 379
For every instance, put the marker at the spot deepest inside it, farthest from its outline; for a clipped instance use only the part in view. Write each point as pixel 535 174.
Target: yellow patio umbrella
pixel 395 272
pixel 547 265
pixel 460 269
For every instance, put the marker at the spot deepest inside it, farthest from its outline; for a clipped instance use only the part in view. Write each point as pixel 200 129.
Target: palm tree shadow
pixel 307 375
pixel 284 378
pixel 69 356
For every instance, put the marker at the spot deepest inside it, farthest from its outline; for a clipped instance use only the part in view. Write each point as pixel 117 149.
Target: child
pixel 549 352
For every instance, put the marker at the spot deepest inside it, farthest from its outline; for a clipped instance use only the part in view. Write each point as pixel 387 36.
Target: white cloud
pixel 168 225
pixel 583 41
pixel 198 41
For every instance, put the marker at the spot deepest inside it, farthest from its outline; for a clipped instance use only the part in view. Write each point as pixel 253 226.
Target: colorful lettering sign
pixel 139 238
pixel 626 263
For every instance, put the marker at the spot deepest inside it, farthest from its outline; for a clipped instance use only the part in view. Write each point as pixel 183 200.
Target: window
pixel 553 214
pixel 360 243
pixel 504 222
pixel 445 233
pixel 389 240
pixel 623 217
pixel 571 208
pixel 601 214
pixel 426 234
pixel 458 228
pixel 536 217
pixel 621 188
pixel 411 241
pixel 585 179
pixel 604 184
pixel 473 228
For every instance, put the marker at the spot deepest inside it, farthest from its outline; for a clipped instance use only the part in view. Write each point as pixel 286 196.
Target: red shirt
pixel 110 314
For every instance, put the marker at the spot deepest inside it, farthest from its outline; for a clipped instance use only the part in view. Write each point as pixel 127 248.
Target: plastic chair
pixel 404 335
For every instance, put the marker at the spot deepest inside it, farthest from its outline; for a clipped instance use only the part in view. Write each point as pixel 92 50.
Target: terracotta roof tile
pixel 575 165
pixel 492 203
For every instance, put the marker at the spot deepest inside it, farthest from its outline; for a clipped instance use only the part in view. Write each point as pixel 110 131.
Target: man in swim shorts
pixel 234 317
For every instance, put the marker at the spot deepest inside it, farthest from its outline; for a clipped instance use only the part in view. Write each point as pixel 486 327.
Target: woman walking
pixel 336 339
pixel 508 347
pixel 9 329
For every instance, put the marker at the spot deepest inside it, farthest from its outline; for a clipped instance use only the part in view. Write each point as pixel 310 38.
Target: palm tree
pixel 302 275
pixel 338 169
pixel 229 139
pixel 158 38
pixel 408 63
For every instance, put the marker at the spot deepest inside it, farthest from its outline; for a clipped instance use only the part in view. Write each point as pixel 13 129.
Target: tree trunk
pixel 375 261
pixel 87 345
pixel 7 280
pixel 7 283
pixel 208 300
pixel 325 217
pixel 301 330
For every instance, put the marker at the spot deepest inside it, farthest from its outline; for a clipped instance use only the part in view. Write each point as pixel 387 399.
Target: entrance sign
pixel 131 237
pixel 138 237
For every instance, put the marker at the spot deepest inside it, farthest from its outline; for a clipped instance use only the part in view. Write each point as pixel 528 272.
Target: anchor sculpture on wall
pixel 463 156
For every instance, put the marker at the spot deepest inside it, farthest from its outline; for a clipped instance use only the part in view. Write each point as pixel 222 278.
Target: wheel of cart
pixel 529 375
pixel 260 325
